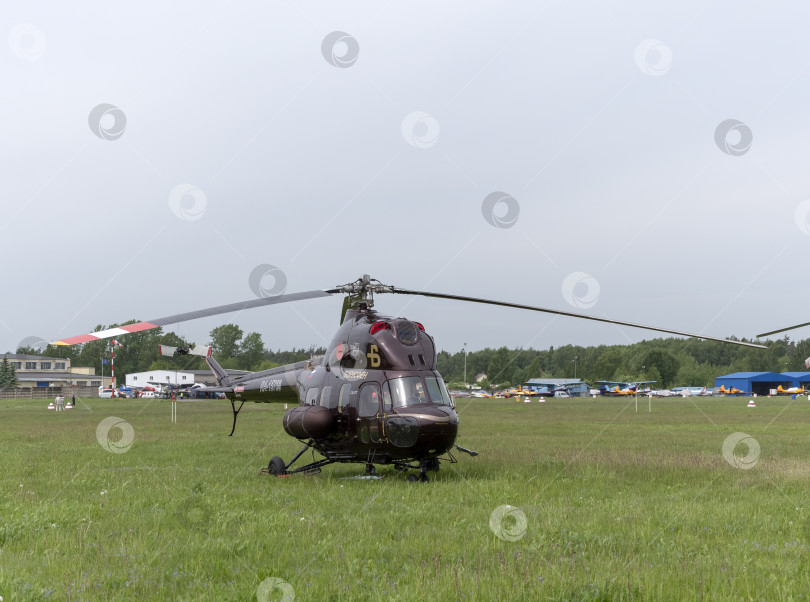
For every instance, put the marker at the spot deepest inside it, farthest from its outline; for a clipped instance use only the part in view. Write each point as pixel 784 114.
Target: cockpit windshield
pixel 410 390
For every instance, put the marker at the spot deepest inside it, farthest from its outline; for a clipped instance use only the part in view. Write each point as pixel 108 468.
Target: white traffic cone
pixel 51 406
pixel 541 400
pixel 751 404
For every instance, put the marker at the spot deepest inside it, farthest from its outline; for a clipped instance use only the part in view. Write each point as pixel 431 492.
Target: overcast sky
pixel 650 162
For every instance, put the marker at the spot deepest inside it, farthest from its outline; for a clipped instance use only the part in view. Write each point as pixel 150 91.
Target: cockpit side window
pixel 437 390
pixel 369 399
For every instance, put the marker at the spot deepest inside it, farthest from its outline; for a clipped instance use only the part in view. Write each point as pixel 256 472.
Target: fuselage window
pixel 386 393
pixel 369 399
pixel 343 400
pixel 326 397
pixel 312 396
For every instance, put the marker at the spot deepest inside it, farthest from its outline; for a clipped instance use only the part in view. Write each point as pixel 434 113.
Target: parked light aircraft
pixel 789 390
pixel 620 388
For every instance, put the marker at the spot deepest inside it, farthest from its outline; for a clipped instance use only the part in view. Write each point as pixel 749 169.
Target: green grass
pixel 618 505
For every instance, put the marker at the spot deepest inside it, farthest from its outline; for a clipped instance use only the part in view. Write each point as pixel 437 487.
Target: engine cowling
pixel 309 422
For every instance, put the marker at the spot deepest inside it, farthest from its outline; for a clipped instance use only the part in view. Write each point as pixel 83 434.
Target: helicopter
pixel 374 398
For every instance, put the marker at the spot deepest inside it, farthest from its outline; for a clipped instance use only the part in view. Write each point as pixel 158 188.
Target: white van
pixel 105 392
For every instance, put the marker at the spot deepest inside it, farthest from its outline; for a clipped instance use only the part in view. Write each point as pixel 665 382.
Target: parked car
pixel 105 392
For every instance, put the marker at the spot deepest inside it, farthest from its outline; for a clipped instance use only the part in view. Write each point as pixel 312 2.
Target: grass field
pixel 606 504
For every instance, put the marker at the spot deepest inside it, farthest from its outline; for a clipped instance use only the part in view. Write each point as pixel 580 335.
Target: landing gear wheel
pixel 276 466
pixel 423 478
pixel 412 478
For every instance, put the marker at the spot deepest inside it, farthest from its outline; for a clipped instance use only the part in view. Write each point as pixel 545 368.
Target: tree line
pixel 668 361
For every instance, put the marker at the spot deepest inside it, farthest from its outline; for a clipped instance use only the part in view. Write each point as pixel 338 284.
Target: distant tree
pixel 607 365
pixel 28 350
pixel 265 365
pixel 652 373
pixel 225 340
pixel 802 353
pixel 499 369
pixel 8 374
pixel 666 363
pixel 251 350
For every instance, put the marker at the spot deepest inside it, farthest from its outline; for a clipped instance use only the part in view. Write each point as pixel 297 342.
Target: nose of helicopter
pixel 431 428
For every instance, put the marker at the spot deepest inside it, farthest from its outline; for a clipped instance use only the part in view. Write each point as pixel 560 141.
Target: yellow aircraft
pixel 789 390
pixel 519 391
pixel 731 391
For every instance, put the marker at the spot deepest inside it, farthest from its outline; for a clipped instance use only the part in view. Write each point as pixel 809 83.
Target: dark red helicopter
pixel 374 398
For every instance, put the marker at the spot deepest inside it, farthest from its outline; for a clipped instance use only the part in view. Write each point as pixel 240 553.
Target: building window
pixel 59 365
pixel 17 365
pixel 30 365
pixel 81 383
pixel 44 365
pixel 134 378
pixel 95 383
pixel 184 378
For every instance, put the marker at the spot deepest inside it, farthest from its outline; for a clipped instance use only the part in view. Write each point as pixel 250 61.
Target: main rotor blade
pixel 193 315
pixel 572 315
pixel 765 334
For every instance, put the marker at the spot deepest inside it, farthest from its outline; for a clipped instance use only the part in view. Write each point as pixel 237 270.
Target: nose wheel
pixel 423 476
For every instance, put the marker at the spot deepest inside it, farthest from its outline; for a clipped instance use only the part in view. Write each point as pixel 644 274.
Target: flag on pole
pixel 105 362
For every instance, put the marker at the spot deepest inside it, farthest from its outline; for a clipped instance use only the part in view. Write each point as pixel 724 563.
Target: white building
pixel 162 377
pixel 175 377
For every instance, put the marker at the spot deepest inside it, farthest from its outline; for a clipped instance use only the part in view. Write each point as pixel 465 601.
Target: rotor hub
pixel 361 291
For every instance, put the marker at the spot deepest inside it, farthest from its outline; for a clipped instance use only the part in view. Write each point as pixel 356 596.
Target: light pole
pixel 575 366
pixel 465 365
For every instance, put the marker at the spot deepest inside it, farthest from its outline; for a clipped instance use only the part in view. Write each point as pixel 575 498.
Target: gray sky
pixel 244 145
